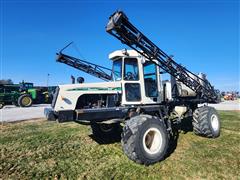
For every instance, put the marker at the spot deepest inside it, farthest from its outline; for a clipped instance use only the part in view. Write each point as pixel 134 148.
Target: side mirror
pixel 143 60
pixel 80 80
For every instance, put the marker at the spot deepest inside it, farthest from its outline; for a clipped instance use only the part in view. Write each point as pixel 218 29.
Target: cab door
pixel 150 78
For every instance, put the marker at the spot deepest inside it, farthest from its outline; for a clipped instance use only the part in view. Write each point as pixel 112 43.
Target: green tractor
pixel 23 94
pixel 8 94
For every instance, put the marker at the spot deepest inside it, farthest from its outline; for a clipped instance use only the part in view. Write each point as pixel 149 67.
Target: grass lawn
pixel 41 149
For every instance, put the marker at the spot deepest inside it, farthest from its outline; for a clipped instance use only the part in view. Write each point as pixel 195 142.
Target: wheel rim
pixel 152 141
pixel 26 101
pixel 106 127
pixel 214 122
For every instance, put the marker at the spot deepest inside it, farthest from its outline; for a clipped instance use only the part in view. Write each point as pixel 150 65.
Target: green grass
pixel 41 149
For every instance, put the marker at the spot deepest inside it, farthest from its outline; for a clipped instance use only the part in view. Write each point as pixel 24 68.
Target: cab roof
pixel 123 53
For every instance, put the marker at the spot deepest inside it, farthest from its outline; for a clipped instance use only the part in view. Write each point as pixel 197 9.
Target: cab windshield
pixel 117 70
pixel 131 69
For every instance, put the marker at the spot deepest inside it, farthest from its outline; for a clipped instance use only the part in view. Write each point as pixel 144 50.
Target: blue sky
pixel 202 35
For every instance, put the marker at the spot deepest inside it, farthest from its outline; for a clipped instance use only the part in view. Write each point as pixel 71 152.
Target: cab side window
pixel 117 70
pixel 150 79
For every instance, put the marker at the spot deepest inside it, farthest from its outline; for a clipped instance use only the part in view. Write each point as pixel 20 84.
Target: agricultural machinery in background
pixel 133 104
pixel 24 94
pixel 229 97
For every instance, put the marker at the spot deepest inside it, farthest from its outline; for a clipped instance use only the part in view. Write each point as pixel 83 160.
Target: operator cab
pixel 25 86
pixel 139 77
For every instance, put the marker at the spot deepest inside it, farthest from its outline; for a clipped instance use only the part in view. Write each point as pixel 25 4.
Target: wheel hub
pixel 152 141
pixel 214 122
pixel 26 101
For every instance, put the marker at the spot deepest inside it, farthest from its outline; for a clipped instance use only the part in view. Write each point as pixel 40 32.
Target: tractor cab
pixel 139 77
pixel 24 86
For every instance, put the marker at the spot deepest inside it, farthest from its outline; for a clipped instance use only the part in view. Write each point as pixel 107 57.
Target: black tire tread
pixel 129 136
pixel 20 98
pixel 201 123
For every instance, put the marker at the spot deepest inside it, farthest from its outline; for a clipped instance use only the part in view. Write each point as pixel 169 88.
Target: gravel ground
pixel 12 113
pixel 227 105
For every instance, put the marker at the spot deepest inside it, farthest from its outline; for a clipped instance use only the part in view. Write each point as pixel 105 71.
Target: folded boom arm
pixel 120 27
pixel 85 66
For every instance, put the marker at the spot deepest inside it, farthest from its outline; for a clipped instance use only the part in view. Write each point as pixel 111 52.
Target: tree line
pixel 6 81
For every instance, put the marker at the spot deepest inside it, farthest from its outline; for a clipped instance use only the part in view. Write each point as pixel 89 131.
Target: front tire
pixel 25 100
pixel 206 122
pixel 145 139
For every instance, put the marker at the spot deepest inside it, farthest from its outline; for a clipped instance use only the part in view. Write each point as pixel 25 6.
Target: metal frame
pixel 106 114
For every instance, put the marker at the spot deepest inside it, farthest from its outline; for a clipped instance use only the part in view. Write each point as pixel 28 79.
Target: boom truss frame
pixel 85 66
pixel 120 27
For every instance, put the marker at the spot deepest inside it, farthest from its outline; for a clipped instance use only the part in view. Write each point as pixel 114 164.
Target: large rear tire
pixel 206 122
pixel 25 100
pixel 145 139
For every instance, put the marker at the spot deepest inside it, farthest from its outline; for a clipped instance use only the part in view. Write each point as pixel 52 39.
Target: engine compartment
pixel 88 101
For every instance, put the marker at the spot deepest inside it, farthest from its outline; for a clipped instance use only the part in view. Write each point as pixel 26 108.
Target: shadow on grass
pixel 186 125
pixel 102 141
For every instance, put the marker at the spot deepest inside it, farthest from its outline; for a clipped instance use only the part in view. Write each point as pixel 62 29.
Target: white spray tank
pixel 181 90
